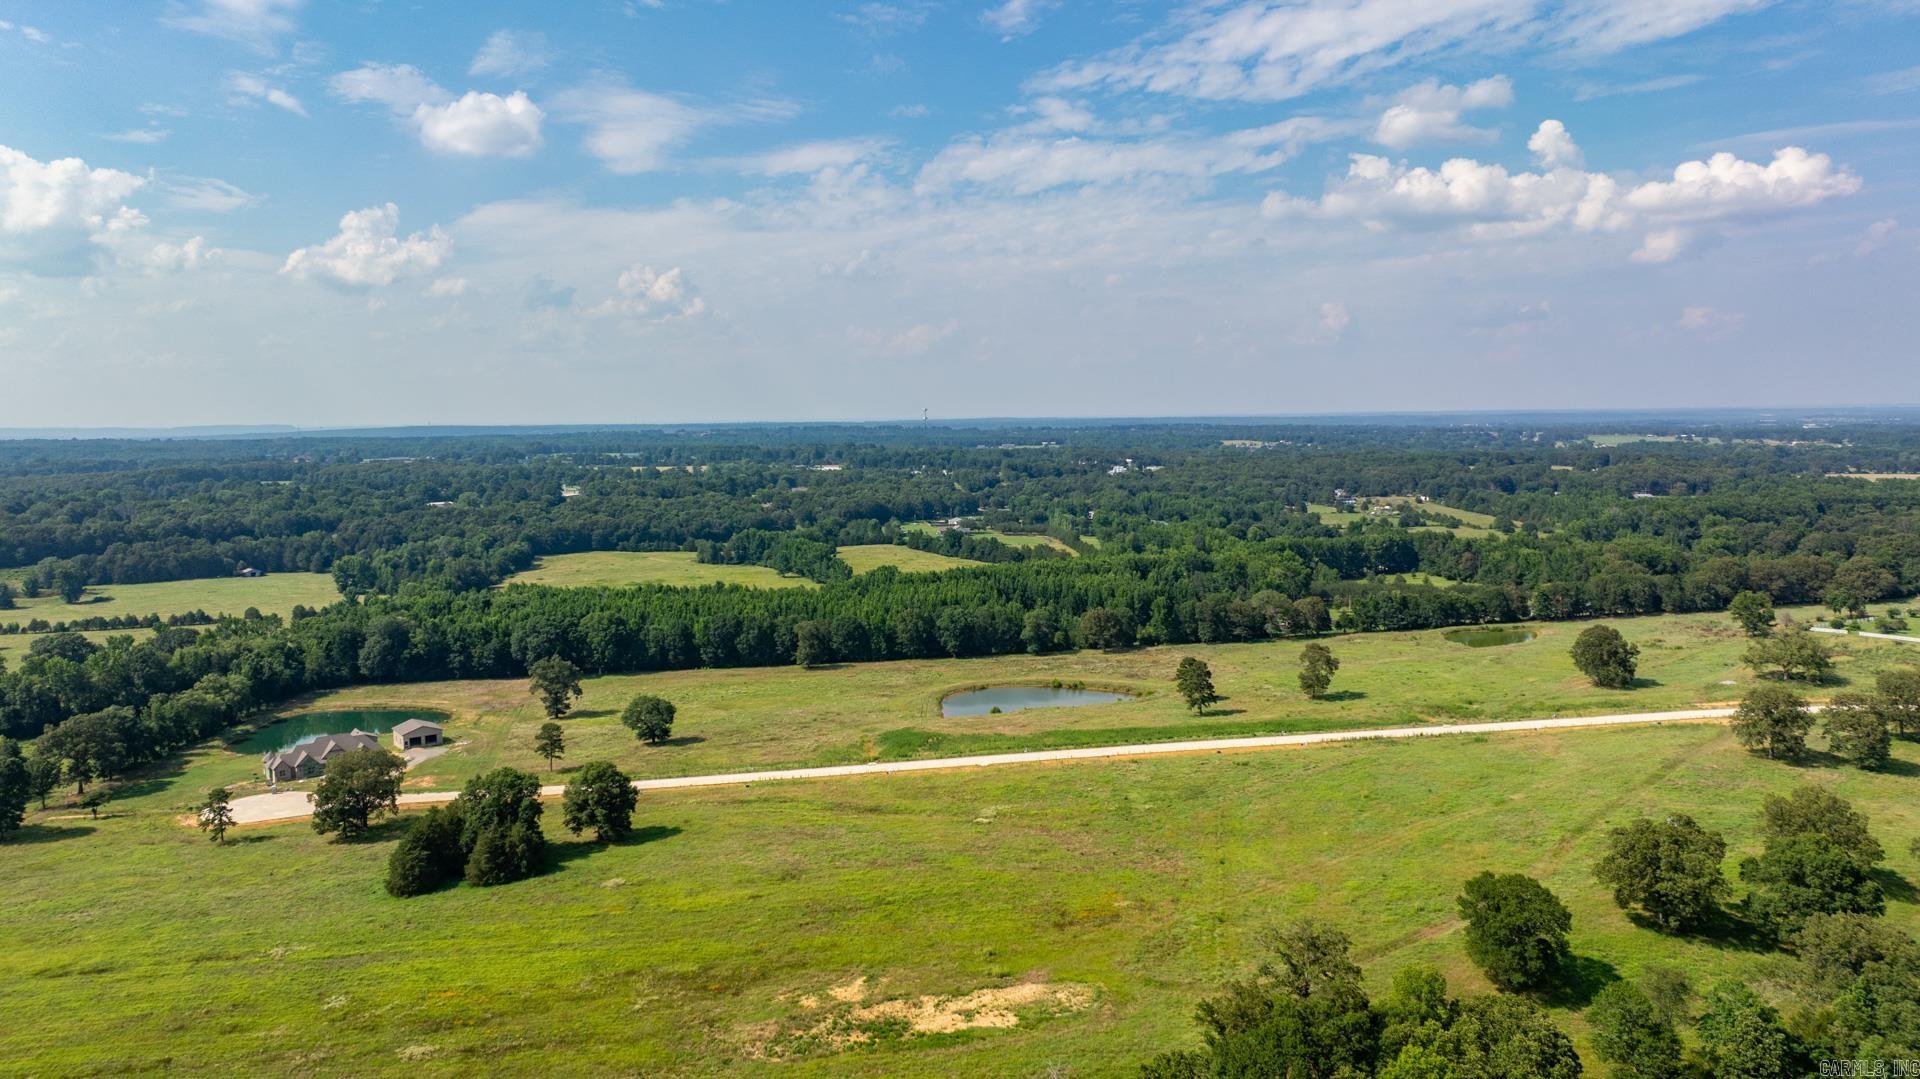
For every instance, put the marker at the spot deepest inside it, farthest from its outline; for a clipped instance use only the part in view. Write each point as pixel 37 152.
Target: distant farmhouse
pixel 309 758
pixel 249 571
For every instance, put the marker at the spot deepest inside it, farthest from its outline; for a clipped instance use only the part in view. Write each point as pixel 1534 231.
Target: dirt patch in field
pixel 841 1017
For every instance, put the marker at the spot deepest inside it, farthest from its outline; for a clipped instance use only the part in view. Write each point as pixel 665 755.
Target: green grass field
pixel 871 556
pixel 674 568
pixel 276 593
pixel 1476 523
pixel 743 928
pixel 15 646
pixel 780 717
pixel 1011 539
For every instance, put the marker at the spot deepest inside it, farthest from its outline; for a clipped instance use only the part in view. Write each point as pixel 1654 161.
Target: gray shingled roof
pixel 409 726
pixel 319 749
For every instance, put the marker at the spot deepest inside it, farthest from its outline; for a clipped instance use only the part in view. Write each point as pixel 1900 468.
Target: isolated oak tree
pixel 1668 868
pixel 1516 929
pixel 1605 657
pixel 1317 666
pixel 357 787
pixel 1195 682
pixel 1794 655
pixel 1753 611
pixel 556 682
pixel 600 797
pixel 1896 695
pixel 650 718
pixel 1774 720
pixel 1856 730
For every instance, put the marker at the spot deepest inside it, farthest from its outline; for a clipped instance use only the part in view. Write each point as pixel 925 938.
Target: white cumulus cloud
pixel 1489 201
pixel 37 196
pixel 1553 147
pixel 482 125
pixel 1430 112
pixel 476 124
pixel 368 251
pixel 643 292
pixel 1012 18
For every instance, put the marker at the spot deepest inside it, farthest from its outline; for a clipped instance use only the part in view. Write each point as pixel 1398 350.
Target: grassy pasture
pixel 673 568
pixel 14 646
pixel 871 556
pixel 276 593
pixel 714 941
pixel 1475 523
pixel 1011 539
pixel 774 717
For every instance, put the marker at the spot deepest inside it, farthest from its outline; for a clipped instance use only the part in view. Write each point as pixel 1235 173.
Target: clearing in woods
pixel 275 593
pixel 737 719
pixel 617 569
pixel 871 556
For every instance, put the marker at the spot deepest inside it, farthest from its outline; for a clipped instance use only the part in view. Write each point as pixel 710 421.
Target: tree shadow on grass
pixel 45 833
pixel 559 855
pixel 684 740
pixel 1897 888
pixel 1646 683
pixel 1719 928
pixel 1898 767
pixel 590 713
pixel 1344 695
pixel 1580 979
pixel 150 780
pixel 1221 712
pixel 251 838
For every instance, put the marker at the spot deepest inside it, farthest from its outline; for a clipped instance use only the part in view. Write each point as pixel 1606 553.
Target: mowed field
pixel 276 593
pixel 1011 539
pixel 1476 523
pixel 866 557
pixel 750 718
pixel 827 928
pixel 672 568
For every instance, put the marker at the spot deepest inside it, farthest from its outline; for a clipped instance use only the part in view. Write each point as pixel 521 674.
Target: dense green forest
pixel 1178 532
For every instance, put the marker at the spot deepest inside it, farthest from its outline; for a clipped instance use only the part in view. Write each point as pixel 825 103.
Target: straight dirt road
pixel 294 805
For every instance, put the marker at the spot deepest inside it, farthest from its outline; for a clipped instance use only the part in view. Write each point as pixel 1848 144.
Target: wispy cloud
pixel 1594 91
pixel 256 24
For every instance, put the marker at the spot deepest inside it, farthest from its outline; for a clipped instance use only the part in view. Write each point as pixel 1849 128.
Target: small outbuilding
pixel 417 733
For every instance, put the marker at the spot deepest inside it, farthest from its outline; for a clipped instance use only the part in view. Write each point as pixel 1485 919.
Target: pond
pixel 1489 636
pixel 980 702
pixel 293 730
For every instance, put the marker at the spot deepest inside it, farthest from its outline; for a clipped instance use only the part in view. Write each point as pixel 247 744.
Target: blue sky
pixel 230 211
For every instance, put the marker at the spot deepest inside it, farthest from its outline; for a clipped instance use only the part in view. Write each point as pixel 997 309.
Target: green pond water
pixel 294 730
pixel 1489 636
pixel 980 702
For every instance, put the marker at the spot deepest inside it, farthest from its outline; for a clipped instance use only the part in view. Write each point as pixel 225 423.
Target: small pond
pixel 294 730
pixel 1489 636
pixel 980 702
